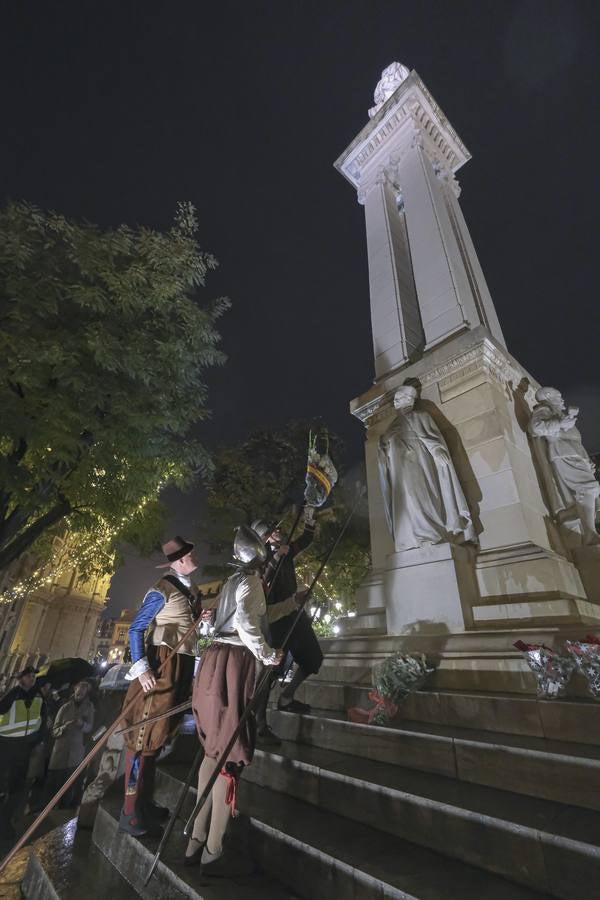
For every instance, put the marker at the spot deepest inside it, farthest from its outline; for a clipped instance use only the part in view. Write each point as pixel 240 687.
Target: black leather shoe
pixel 267 738
pixel 195 857
pixel 156 813
pixel 294 706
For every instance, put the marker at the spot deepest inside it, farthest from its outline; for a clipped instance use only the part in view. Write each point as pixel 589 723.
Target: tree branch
pixel 21 543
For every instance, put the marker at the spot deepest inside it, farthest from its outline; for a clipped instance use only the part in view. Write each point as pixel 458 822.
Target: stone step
pixel 65 865
pixel 372 621
pixel 320 854
pixel 536 843
pixel 484 659
pixel 132 858
pixel 573 720
pixel 551 770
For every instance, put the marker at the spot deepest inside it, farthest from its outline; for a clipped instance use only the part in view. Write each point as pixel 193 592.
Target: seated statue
pixel 423 500
pixel 571 467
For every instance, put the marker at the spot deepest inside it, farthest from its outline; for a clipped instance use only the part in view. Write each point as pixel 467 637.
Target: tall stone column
pixel 395 316
pixel 435 326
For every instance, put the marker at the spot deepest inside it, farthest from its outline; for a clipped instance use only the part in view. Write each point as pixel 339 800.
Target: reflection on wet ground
pixel 55 836
pixel 74 865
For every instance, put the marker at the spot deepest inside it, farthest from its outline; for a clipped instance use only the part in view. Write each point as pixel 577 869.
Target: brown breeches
pixel 223 687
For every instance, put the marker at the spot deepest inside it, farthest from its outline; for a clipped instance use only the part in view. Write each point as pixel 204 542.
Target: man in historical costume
pixel 573 486
pixel 423 500
pixel 22 727
pixel 283 603
pixel 74 720
pixel 223 687
pixel 168 611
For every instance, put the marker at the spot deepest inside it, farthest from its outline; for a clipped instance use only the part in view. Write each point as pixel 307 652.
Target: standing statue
pixel 571 467
pixel 391 78
pixel 424 502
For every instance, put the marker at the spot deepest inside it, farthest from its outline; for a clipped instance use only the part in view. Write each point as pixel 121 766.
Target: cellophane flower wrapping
pixel 552 670
pixel 586 658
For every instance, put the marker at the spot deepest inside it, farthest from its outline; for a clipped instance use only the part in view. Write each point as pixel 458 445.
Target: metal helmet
pixel 263 528
pixel 248 548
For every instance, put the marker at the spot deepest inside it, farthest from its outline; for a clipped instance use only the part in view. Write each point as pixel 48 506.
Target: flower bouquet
pixel 552 671
pixel 586 658
pixel 393 680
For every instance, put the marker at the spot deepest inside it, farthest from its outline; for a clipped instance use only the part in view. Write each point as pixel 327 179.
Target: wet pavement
pixel 12 876
pixel 75 867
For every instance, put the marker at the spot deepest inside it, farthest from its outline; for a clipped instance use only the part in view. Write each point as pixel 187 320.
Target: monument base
pixel 431 590
pixel 529 585
pixel 587 560
pixel 484 660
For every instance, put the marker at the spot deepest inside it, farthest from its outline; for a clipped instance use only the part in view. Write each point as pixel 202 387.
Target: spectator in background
pixel 74 720
pixel 22 728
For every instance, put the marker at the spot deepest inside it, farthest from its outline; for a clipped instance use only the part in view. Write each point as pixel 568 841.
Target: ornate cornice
pixel 409 116
pixel 484 357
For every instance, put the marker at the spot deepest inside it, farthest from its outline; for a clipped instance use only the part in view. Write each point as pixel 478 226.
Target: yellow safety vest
pixel 21 720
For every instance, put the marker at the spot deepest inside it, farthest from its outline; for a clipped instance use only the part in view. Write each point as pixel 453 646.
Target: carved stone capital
pixel 369 181
pixel 409 113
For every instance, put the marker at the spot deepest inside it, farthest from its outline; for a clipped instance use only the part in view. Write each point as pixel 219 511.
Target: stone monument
pixel 465 542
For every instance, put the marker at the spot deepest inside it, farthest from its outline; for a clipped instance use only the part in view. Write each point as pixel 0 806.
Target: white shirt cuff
pixel 137 669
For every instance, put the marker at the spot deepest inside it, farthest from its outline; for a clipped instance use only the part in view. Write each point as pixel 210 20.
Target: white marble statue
pixel 572 469
pixel 391 78
pixel 424 502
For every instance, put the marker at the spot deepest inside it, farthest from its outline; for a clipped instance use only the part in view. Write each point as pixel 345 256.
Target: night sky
pixel 113 112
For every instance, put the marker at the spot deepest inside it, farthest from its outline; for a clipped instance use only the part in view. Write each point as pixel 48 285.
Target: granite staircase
pixel 431 809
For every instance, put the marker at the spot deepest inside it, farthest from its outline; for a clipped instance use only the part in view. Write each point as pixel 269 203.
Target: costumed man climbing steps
pixel 283 596
pixel 167 613
pixel 223 687
pixel 282 606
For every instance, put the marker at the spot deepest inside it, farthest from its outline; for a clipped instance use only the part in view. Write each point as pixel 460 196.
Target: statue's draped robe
pixel 424 502
pixel 572 471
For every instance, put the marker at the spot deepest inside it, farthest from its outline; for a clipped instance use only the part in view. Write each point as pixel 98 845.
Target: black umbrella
pixel 66 671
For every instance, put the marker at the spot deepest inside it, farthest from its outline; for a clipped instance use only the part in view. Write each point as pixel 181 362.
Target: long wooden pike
pixel 90 756
pixel 182 707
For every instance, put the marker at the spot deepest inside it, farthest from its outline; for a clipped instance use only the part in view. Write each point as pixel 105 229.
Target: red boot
pixel 132 819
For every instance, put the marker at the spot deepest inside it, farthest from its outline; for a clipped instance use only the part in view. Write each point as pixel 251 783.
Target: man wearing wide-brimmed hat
pixel 166 614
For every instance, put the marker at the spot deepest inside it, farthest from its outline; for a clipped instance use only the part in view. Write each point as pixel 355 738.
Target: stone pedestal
pixel 431 590
pixel 587 560
pixel 522 574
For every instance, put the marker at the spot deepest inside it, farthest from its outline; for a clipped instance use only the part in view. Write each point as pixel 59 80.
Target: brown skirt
pixel 173 687
pixel 223 687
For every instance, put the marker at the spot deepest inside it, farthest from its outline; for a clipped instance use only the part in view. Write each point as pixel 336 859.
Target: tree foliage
pixel 103 342
pixel 263 477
